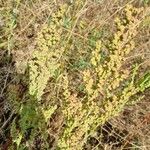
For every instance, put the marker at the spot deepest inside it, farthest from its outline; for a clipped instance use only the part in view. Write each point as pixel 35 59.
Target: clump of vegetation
pixel 77 77
pixel 45 59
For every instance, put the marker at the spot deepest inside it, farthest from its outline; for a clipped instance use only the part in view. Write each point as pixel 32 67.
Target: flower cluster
pixel 45 58
pixel 101 81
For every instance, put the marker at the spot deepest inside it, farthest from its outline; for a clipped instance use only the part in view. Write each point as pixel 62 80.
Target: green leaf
pixel 144 82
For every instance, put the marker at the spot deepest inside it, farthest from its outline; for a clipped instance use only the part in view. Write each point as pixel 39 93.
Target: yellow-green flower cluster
pixel 108 78
pixel 57 17
pixel 115 104
pixel 50 34
pixel 113 107
pixel 49 37
pixel 73 114
pixel 42 67
pixel 72 103
pixel 79 117
pixel 121 46
pixel 88 82
pixel 45 58
pixel 66 92
pixel 109 73
pixel 95 59
pixel 81 122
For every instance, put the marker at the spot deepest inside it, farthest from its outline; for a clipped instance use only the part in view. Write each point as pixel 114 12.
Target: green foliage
pixel 29 118
pixel 144 82
pixel 81 64
pixel 146 1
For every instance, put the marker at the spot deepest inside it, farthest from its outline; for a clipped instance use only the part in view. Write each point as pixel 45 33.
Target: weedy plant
pixel 43 64
pixel 93 90
pixel 106 88
pixel 45 59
